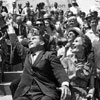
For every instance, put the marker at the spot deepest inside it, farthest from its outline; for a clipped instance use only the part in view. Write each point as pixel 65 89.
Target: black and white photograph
pixel 49 49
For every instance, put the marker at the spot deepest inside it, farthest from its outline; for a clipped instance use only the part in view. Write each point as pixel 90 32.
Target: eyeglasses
pixel 40 24
pixel 46 23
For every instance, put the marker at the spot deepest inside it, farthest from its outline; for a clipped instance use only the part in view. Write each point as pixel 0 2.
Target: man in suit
pixel 42 72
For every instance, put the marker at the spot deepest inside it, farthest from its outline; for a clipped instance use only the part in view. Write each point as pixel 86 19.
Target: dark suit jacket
pixel 46 71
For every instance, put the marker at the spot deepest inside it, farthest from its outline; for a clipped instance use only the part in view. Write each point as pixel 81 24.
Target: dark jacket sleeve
pixel 58 69
pixel 21 50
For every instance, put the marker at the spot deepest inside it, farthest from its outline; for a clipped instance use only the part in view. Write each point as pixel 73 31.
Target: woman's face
pixel 71 36
pixel 39 24
pixel 60 18
pixel 78 45
pixel 93 23
pixel 46 23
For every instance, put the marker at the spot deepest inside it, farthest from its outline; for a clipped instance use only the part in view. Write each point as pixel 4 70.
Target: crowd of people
pixel 59 51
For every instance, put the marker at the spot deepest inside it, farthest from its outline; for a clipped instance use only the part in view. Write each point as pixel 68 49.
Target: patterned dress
pixel 79 72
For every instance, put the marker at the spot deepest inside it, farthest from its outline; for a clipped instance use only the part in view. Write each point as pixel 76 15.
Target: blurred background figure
pixel 3 8
pixel 20 8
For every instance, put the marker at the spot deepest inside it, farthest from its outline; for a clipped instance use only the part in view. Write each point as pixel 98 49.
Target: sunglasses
pixel 46 23
pixel 40 24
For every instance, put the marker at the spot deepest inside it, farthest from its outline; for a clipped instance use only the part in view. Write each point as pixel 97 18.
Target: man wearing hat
pixel 91 33
pixel 42 72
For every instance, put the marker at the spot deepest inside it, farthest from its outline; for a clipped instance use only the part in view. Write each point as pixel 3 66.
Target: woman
pixel 71 23
pixel 79 68
pixel 72 34
pixel 51 31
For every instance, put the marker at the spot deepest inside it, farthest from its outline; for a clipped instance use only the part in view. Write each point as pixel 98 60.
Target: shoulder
pixel 50 53
pixel 89 31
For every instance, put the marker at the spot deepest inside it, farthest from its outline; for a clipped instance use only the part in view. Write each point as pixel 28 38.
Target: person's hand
pixel 65 93
pixel 10 29
pixel 98 72
pixel 90 93
pixel 9 21
pixel 89 96
pixel 15 25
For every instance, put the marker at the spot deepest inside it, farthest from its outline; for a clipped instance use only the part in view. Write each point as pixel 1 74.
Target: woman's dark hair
pixel 52 26
pixel 75 4
pixel 87 44
pixel 69 5
pixel 52 12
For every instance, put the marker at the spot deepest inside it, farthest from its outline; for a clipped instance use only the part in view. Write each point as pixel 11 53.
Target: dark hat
pixel 94 14
pixel 88 16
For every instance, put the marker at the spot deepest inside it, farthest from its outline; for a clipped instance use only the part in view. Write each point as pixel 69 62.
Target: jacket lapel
pixel 38 58
pixel 29 59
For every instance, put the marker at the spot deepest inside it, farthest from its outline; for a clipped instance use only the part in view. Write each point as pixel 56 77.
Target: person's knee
pixel 13 86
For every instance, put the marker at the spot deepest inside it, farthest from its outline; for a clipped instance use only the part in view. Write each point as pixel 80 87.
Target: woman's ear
pixel 42 43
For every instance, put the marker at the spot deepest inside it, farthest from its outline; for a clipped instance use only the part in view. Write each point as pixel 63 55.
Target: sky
pixel 85 5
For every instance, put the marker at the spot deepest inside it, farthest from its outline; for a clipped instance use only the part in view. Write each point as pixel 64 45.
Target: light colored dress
pixel 79 73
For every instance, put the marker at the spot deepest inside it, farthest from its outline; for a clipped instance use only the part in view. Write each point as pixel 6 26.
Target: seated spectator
pixel 91 33
pixel 37 83
pixel 79 69
pixel 51 31
pixel 72 22
pixel 67 49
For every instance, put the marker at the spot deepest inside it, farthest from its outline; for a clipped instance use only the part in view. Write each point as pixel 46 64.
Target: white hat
pixel 29 23
pixel 76 29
